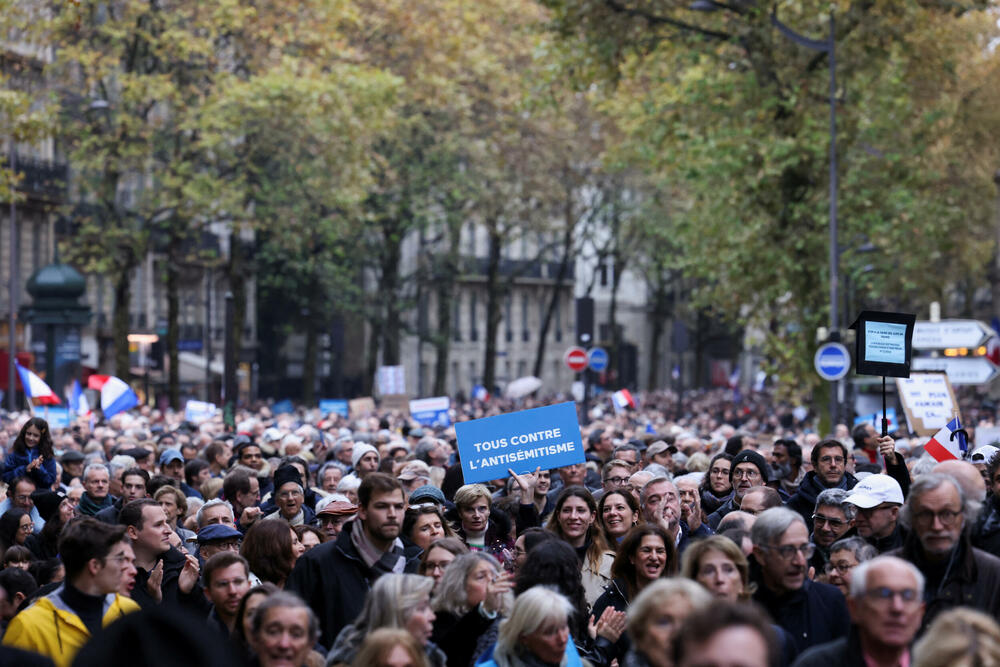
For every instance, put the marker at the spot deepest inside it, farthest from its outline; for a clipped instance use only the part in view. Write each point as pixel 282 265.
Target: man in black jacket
pixel 811 612
pixel 333 578
pixel 829 462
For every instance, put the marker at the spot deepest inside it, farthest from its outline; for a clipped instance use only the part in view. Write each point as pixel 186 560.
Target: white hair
pixel 532 609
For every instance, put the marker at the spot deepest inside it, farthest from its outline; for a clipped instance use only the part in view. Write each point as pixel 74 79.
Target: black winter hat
pixel 286 474
pixel 749 456
pixel 47 502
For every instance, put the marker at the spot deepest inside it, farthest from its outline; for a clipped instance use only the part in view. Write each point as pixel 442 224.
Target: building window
pixel 456 321
pixel 525 334
pixel 473 330
pixel 559 331
pixel 508 329
pixel 603 268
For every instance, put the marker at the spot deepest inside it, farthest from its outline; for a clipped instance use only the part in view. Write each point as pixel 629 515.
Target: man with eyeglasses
pixel 811 612
pixel 19 497
pixel 878 499
pixel 289 496
pixel 938 544
pixel 614 476
pixel 60 623
pixel 886 607
pixel 829 462
pixel 216 538
pixel 749 469
pixel 832 520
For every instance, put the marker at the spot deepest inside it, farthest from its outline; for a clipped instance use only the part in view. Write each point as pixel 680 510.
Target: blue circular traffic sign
pixel 598 359
pixel 832 361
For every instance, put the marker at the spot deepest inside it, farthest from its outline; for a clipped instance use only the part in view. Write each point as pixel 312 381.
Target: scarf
pixel 383 562
pixel 89 507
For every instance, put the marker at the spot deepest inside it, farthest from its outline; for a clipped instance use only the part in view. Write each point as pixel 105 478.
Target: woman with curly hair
pixel 574 519
pixel 646 554
pixel 32 455
pixel 271 551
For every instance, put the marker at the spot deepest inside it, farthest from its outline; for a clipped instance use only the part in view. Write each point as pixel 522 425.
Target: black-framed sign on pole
pixel 883 346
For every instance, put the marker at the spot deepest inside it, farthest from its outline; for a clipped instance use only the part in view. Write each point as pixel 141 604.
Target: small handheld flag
pixel 35 388
pixel 948 443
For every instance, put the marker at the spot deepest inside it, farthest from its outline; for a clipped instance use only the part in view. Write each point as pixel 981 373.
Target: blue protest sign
pixel 56 417
pixel 197 412
pixel 283 407
pixel 336 406
pixel 431 411
pixel 874 417
pixel 545 438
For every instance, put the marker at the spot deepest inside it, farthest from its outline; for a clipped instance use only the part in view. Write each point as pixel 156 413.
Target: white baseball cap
pixel 874 490
pixel 983 454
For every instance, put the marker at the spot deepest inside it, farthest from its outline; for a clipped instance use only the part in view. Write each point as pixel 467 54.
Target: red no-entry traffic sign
pixel 576 359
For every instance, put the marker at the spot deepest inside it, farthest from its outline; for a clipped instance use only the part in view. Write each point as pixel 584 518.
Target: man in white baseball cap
pixel 878 499
pixel 981 458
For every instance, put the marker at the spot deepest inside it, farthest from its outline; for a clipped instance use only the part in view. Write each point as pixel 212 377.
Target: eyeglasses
pixel 832 459
pixel 836 523
pixel 788 551
pixel 26 527
pixel 843 567
pixel 926 517
pixel 617 481
pixel 884 595
pixel 746 474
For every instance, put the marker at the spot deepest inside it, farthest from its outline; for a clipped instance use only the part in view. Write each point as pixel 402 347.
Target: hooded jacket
pixel 333 580
pixel 804 500
pixel 51 628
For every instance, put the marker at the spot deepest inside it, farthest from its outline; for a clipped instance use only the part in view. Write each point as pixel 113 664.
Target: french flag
pixel 78 402
pixel 622 399
pixel 943 448
pixel 116 395
pixel 480 394
pixel 35 388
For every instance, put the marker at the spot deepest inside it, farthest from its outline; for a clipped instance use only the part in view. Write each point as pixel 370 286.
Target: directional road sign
pixel 575 358
pixel 950 333
pixel 832 361
pixel 598 359
pixel 960 370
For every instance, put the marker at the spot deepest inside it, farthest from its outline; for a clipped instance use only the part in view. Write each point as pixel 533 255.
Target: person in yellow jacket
pixel 96 556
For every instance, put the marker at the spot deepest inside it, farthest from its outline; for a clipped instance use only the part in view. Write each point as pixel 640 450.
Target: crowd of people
pixel 694 534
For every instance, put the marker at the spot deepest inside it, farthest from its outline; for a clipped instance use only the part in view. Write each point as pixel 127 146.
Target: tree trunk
pixel 389 292
pixel 237 285
pixel 494 298
pixel 659 316
pixel 310 362
pixel 371 361
pixel 120 323
pixel 173 324
pixel 445 290
pixel 616 339
pixel 550 311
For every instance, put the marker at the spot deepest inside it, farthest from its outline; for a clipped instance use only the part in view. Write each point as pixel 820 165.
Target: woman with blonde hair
pixel 390 647
pixel 472 592
pixel 399 601
pixel 535 633
pixel 959 638
pixel 720 566
pixel 480 526
pixel 654 616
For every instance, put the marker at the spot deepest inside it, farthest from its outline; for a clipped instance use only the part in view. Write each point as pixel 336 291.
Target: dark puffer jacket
pixel 813 615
